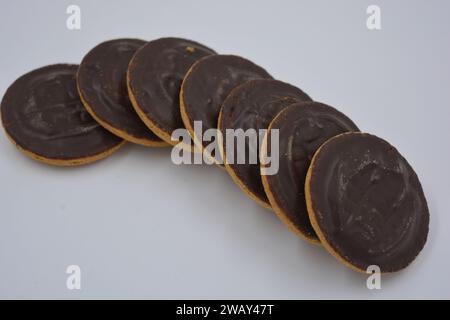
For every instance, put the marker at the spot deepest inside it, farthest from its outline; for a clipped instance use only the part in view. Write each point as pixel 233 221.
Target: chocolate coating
pixel 102 84
pixel 303 128
pixel 208 83
pixel 253 105
pixel 367 202
pixel 154 78
pixel 42 112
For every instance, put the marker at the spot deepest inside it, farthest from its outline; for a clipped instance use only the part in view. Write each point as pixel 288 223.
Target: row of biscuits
pixel 352 192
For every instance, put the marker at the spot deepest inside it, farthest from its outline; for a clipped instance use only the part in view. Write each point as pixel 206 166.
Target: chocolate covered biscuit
pixel 302 128
pixel 43 116
pixel 253 105
pixel 366 203
pixel 205 87
pixel 154 80
pixel 102 86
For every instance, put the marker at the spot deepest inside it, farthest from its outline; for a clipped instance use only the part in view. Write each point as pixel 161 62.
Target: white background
pixel 142 227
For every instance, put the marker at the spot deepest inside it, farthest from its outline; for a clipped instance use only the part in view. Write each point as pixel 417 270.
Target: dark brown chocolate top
pixel 253 105
pixel 303 128
pixel 208 83
pixel 155 75
pixel 102 83
pixel 42 112
pixel 368 202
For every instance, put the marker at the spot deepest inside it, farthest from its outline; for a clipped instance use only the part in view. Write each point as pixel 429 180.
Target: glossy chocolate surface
pixel 368 202
pixel 102 83
pixel 254 105
pixel 303 128
pixel 42 113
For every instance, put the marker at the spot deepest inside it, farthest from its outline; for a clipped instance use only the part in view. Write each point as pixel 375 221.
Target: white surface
pixel 141 227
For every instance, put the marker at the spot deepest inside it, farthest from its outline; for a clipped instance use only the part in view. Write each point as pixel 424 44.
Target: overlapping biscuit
pixel 205 87
pixel 252 106
pixel 302 129
pixel 154 80
pixel 101 80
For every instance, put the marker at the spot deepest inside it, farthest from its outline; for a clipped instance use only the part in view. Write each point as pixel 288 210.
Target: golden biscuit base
pixel 64 162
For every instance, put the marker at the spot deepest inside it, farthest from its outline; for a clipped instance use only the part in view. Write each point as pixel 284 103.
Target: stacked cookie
pixel 352 192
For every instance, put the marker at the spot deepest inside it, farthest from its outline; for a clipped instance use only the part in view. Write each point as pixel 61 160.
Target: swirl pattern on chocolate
pixel 208 83
pixel 253 105
pixel 303 128
pixel 42 112
pixel 154 79
pixel 102 85
pixel 367 203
